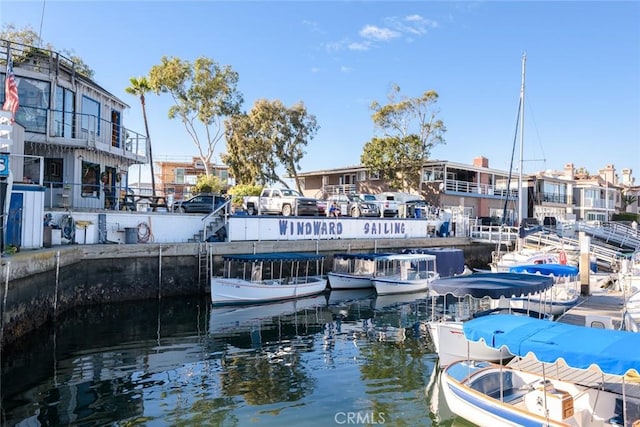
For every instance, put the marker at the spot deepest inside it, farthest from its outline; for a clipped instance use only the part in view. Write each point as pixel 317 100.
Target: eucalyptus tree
pixel 267 137
pixel 140 87
pixel 404 122
pixel 204 93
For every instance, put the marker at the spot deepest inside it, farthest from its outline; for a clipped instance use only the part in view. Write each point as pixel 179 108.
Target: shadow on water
pixel 323 360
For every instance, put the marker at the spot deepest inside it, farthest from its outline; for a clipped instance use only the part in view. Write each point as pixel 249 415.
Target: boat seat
pixel 511 395
pixel 490 384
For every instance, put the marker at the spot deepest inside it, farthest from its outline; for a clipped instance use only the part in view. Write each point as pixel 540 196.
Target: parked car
pixel 352 205
pixel 389 207
pixel 201 203
pixel 280 201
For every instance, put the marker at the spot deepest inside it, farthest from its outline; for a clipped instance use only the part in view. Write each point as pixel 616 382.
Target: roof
pixel 492 285
pixel 613 352
pixel 275 256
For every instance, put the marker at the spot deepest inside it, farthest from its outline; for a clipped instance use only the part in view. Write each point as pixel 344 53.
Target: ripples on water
pixel 346 358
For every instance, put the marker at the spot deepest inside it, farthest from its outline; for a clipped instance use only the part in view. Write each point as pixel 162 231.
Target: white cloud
pixel 362 46
pixel 411 24
pixel 345 69
pixel 315 69
pixel 373 32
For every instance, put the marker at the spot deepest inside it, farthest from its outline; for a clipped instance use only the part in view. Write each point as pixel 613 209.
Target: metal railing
pixel 71 127
pixel 456 186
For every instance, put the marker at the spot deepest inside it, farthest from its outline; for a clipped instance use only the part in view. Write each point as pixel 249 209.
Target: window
pixel 53 172
pixel 90 179
pixel 374 175
pixel 179 175
pixel 34 103
pixel 64 113
pixel 90 115
pixel 362 176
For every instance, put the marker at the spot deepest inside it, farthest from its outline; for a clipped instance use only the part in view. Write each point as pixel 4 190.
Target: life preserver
pixel 563 257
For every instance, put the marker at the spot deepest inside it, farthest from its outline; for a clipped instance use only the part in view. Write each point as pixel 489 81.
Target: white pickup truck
pixel 280 201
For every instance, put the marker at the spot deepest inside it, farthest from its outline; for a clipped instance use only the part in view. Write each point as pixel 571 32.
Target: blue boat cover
pixel 275 256
pixel 558 270
pixel 614 352
pixel 492 285
pixel 449 261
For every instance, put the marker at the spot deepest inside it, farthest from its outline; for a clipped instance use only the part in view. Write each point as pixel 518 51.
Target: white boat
pixel 353 270
pixel 564 294
pixel 401 273
pixel 502 262
pixel 495 288
pixel 585 376
pixel 265 277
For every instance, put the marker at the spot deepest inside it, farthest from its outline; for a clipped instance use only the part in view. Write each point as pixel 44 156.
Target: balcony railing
pixel 71 128
pixel 452 185
pixel 552 198
pixel 91 196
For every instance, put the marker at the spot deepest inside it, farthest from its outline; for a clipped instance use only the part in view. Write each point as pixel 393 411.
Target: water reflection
pixel 181 362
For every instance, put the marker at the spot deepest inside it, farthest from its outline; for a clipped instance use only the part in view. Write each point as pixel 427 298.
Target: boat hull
pixel 493 395
pixel 238 291
pixel 451 344
pixel 396 284
pixel 349 281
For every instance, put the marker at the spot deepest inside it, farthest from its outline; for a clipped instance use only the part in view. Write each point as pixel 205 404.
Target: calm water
pixel 345 358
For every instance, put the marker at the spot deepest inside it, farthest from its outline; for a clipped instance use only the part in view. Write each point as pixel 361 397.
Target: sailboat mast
pixel 520 189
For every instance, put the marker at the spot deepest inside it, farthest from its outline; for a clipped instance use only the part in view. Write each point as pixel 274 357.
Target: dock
pixel 603 302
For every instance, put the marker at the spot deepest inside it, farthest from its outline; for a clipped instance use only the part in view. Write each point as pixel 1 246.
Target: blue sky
pixel 582 74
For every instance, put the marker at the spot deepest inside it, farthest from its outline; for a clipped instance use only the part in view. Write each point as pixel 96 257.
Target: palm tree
pixel 140 86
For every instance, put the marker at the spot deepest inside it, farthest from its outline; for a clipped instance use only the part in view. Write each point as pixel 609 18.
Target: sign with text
pixel 243 228
pixel 4 164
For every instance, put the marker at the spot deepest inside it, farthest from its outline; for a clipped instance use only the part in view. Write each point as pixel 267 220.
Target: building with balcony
pixel 476 190
pixel 72 140
pixel 176 178
pixel 471 190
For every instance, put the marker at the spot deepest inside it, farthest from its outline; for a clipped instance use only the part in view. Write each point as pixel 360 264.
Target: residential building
pixel 476 190
pixel 472 190
pixel 176 178
pixel 72 138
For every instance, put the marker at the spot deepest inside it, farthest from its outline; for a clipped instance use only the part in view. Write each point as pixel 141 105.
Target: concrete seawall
pixel 37 286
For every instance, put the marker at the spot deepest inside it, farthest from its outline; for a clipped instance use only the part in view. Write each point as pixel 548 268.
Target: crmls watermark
pixel 359 418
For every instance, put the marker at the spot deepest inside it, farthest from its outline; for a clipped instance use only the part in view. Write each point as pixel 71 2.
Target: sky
pixel 582 96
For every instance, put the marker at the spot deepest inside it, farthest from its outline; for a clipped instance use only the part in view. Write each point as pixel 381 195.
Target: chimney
pixel 481 161
pixel 627 178
pixel 569 171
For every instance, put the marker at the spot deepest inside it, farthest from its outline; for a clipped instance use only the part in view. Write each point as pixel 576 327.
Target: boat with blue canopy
pixel 564 294
pixel 477 294
pixel 570 390
pixel 254 278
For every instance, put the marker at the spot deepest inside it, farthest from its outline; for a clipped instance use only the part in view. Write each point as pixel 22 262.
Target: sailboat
pixel 502 261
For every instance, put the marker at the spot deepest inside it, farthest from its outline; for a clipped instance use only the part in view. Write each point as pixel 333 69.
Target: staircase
pixel 214 227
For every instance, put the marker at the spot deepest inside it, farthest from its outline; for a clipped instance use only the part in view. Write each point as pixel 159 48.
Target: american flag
pixel 10 90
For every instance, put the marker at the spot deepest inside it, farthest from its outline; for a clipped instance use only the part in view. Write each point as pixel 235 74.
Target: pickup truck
pixel 388 207
pixel 280 201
